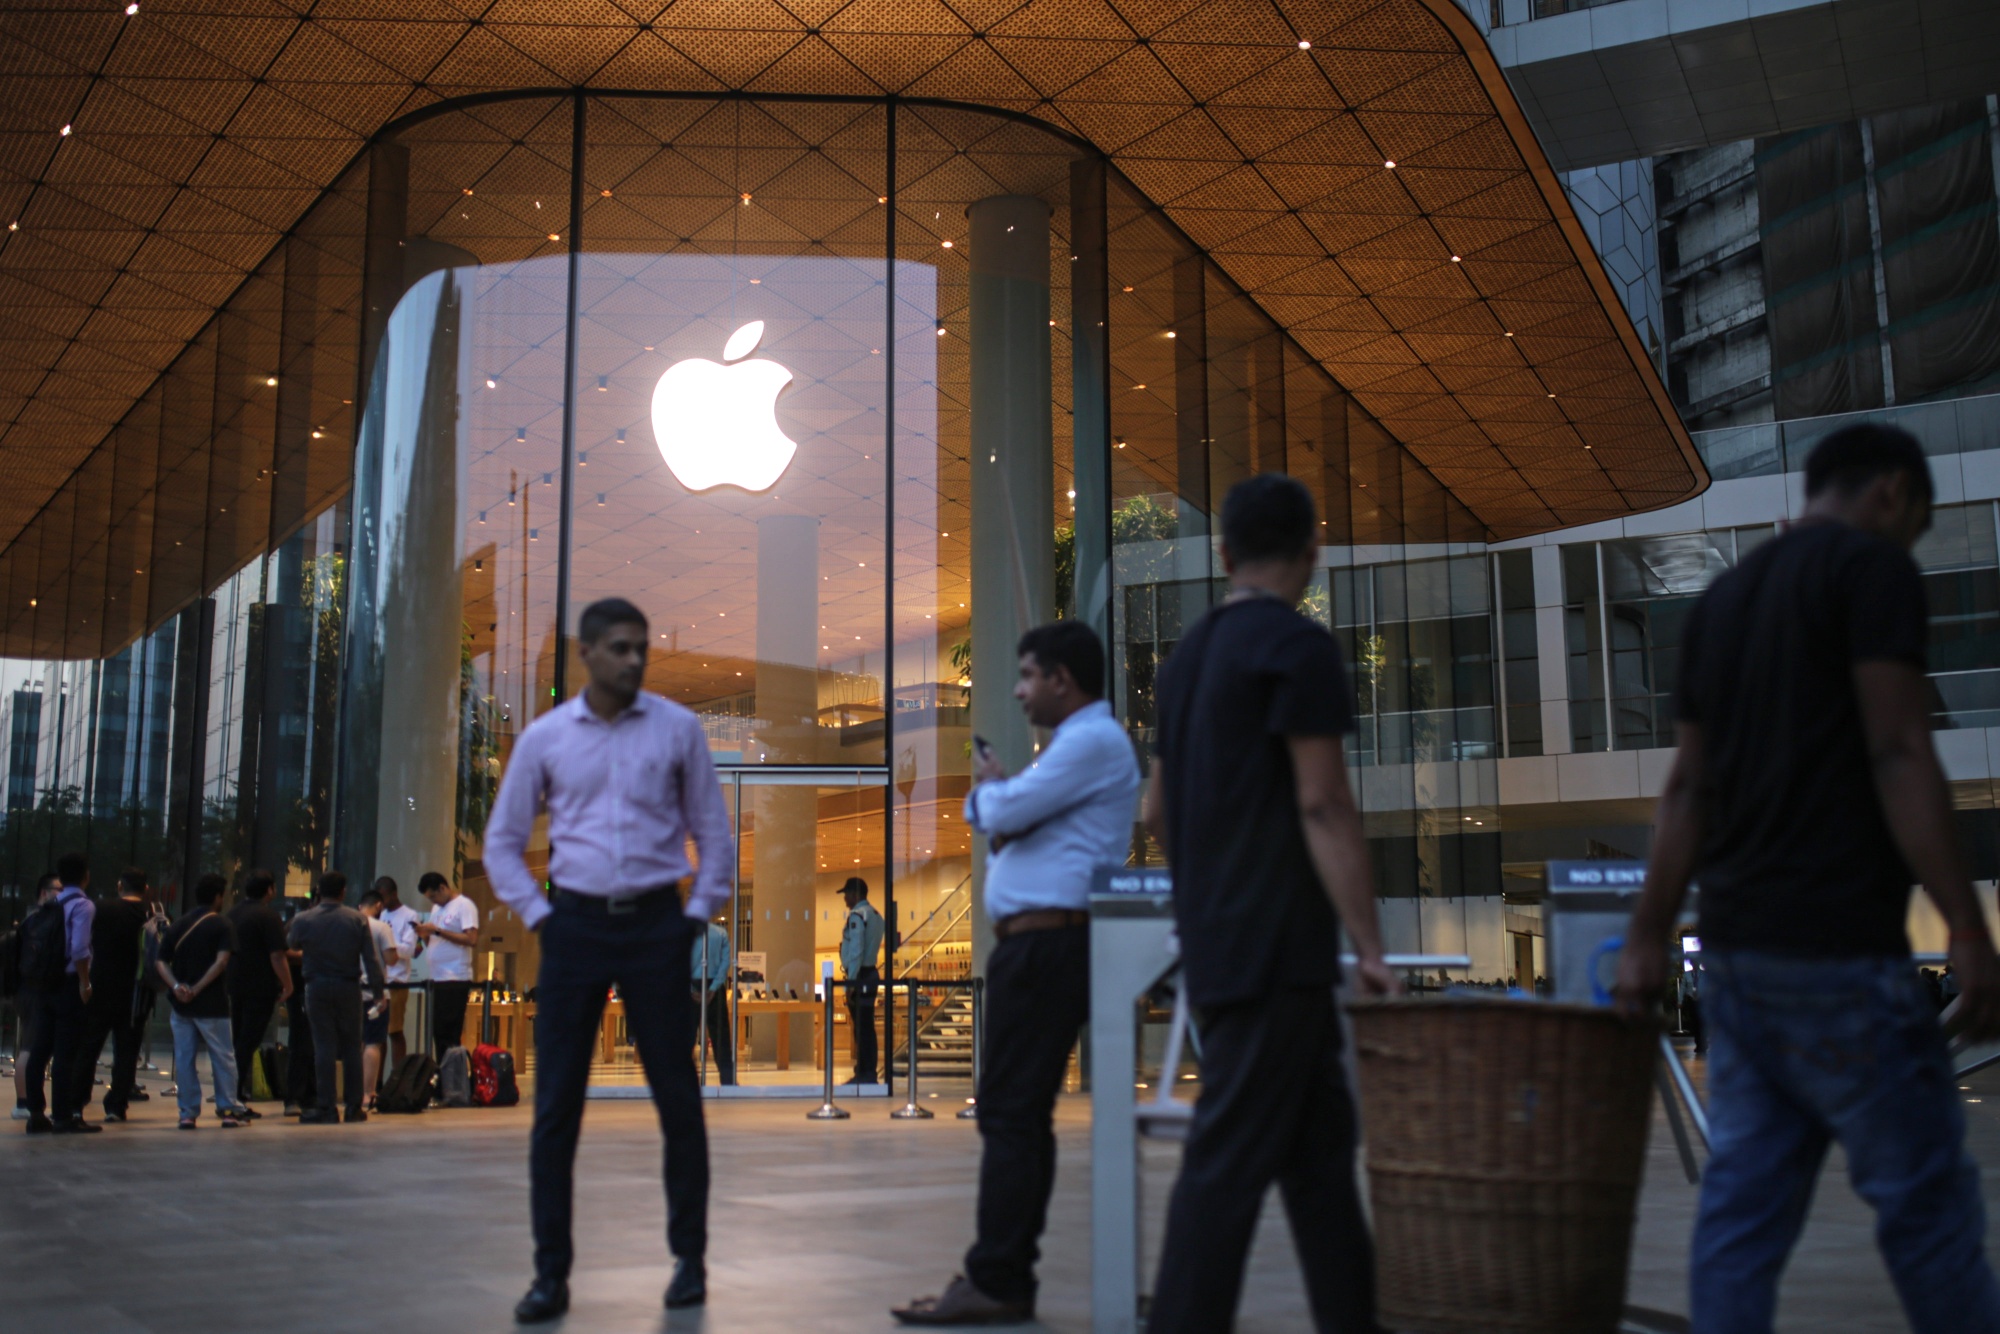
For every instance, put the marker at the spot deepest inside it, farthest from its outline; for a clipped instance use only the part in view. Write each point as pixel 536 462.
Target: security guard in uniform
pixel 860 948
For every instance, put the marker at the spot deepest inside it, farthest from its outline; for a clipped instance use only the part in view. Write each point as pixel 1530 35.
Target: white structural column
pixel 1013 476
pixel 785 845
pixel 421 586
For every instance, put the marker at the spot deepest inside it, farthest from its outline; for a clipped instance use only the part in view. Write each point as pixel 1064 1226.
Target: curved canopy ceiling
pixel 149 161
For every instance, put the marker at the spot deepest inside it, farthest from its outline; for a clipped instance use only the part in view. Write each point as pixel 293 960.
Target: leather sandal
pixel 963 1304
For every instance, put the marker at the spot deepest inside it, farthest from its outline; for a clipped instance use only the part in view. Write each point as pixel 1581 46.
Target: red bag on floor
pixel 485 1079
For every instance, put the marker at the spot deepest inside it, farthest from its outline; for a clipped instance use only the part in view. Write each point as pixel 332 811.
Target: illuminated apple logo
pixel 717 422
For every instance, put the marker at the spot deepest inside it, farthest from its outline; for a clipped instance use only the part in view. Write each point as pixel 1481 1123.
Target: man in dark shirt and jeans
pixel 336 946
pixel 194 959
pixel 1249 796
pixel 1806 797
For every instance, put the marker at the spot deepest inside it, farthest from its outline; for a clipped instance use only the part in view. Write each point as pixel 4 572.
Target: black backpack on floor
pixel 409 1088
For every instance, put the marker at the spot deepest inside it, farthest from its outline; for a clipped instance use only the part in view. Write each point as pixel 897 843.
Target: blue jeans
pixel 1803 1052
pixel 213 1034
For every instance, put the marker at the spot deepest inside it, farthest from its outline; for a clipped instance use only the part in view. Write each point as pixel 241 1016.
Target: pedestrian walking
pixel 626 779
pixel 338 953
pixel 860 954
pixel 713 967
pixel 193 961
pixel 1250 798
pixel 260 976
pixel 1807 797
pixel 448 937
pixel 57 1050
pixel 1051 827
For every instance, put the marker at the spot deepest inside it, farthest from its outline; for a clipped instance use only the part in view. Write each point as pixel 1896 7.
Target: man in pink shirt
pixel 626 780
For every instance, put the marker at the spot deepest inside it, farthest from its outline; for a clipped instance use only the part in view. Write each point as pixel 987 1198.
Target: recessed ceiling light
pixel 1304 45
pixel 1390 163
pixel 1455 259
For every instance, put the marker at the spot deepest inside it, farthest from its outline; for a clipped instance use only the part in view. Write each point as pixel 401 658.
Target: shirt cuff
pixel 534 911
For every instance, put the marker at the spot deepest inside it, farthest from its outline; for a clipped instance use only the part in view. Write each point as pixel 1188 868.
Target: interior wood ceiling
pixel 149 160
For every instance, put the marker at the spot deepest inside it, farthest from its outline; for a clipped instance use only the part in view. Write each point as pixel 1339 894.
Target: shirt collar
pixel 585 714
pixel 1097 708
pixel 71 892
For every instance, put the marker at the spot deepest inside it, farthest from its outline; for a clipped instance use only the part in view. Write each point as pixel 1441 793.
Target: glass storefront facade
pixel 844 394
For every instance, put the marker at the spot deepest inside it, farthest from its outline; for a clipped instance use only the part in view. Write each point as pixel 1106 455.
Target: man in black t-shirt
pixel 117 947
pixel 1249 796
pixel 260 975
pixel 1806 797
pixel 194 956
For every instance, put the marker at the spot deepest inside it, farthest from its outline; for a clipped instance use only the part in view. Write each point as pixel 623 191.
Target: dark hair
pixel 604 613
pixel 431 880
pixel 258 884
pixel 372 896
pixel 1269 517
pixel 209 889
pixel 333 885
pixel 1071 645
pixel 385 885
pixel 855 885
pixel 73 867
pixel 1856 455
pixel 133 882
pixel 45 880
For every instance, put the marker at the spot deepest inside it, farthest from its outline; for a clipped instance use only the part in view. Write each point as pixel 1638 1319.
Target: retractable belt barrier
pixel 912 987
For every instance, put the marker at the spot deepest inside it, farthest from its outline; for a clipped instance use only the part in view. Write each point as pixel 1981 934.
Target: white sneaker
pixel 20 1112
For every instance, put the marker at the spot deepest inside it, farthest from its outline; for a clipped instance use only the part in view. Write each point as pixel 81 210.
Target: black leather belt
pixel 646 901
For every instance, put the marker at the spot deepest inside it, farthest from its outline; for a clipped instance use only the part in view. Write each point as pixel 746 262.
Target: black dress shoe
pixel 41 1125
pixel 320 1119
pixel 76 1125
pixel 546 1299
pixel 690 1285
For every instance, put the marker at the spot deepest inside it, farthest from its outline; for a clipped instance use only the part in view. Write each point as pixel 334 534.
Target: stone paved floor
pixel 419 1223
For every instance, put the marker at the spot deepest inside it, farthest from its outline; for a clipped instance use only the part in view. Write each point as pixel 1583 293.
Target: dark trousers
pixel 721 1038
pixel 334 1011
pixel 1037 998
pixel 448 1002
pixel 645 954
pixel 250 1016
pixel 301 1069
pixel 111 1018
pixel 1274 1106
pixel 861 1018
pixel 57 1051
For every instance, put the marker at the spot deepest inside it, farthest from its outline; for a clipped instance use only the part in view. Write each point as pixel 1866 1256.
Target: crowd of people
pixel 85 970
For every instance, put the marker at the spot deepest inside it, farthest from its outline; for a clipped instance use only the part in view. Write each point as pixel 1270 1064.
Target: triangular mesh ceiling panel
pixel 199 131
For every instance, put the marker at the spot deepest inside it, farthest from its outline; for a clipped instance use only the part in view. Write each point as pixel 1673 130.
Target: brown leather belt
pixel 1039 919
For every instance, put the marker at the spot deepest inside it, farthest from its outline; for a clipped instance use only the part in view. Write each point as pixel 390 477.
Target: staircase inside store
pixel 944 1040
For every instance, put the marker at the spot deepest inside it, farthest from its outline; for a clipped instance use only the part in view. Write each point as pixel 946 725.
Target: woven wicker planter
pixel 1505 1146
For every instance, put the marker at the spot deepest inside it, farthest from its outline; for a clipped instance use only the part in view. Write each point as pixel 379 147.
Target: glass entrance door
pixel 801 833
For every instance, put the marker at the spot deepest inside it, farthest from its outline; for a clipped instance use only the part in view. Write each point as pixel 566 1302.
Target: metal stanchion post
pixel 909 1111
pixel 826 1110
pixel 970 1112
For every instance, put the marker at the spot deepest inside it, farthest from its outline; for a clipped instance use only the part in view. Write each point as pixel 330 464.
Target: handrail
pixel 948 927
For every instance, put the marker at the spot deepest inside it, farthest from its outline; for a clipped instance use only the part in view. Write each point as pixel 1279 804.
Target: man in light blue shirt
pixel 710 968
pixel 860 953
pixel 1049 828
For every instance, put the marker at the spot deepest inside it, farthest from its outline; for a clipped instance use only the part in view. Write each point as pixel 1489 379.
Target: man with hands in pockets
pixel 626 779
